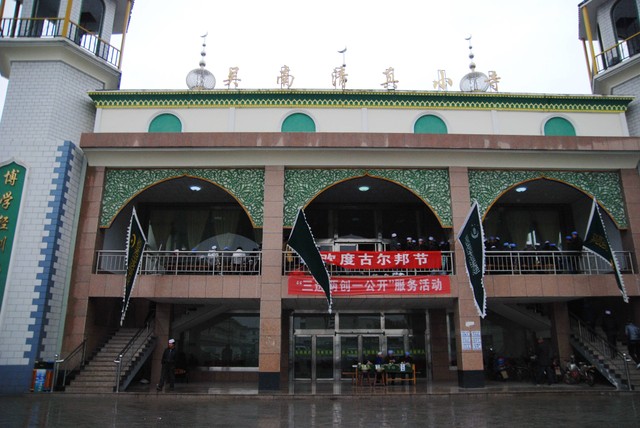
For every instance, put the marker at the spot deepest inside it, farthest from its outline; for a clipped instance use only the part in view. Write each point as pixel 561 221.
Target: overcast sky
pixel 532 46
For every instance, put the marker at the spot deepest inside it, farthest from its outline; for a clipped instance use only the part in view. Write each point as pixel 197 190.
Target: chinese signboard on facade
pixel 381 285
pixel 12 178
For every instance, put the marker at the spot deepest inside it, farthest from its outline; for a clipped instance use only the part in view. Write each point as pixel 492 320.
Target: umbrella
pixel 231 240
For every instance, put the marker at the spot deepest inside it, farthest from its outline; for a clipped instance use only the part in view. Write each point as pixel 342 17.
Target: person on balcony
pixel 212 257
pixel 238 259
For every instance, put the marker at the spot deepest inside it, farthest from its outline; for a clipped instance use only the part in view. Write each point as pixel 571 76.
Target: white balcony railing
pixel 553 262
pixel 224 263
pixel 183 263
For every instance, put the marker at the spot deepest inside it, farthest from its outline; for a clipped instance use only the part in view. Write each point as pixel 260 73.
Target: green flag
pixel 596 241
pixel 136 241
pixel 302 242
pixel 471 238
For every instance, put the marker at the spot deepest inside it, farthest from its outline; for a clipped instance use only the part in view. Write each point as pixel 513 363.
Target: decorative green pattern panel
pixel 359 99
pixel 245 185
pixel 431 185
pixel 487 186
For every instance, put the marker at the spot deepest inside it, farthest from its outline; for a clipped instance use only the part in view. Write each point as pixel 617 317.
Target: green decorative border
pixel 122 185
pixel 301 186
pixel 359 99
pixel 487 186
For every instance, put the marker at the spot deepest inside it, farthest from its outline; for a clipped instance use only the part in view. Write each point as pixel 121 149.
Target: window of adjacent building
pixel 557 126
pixel 624 15
pixel 165 123
pixel 298 122
pixel 429 124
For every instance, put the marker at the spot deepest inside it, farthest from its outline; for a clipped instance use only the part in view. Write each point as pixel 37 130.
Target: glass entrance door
pixel 356 349
pixel 324 357
pixel 313 357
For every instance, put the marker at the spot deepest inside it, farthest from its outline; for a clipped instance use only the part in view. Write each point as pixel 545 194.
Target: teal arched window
pixel 429 124
pixel 559 127
pixel 298 122
pixel 165 122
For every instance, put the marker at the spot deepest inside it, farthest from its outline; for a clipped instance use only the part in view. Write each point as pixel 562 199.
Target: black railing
pixel 617 53
pixel 70 364
pixel 48 28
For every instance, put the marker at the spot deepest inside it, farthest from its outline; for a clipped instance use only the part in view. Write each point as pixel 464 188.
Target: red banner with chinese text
pixel 373 285
pixel 383 259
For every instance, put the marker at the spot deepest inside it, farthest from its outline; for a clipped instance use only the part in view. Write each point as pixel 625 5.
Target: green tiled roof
pixel 359 99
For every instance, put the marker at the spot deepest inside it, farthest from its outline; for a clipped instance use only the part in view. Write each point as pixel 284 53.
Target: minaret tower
pixel 610 32
pixel 53 52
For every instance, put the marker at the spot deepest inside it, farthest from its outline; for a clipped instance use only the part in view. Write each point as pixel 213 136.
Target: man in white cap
pixel 168 373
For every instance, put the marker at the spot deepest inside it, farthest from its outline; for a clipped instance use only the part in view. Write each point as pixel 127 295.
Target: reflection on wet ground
pixel 332 404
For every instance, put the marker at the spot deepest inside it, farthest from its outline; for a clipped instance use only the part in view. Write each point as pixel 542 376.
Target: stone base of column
pixel 471 378
pixel 268 381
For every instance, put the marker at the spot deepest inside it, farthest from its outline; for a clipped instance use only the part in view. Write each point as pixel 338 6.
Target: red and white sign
pixel 379 285
pixel 383 259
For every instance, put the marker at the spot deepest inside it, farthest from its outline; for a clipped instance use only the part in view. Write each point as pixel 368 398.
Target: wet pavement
pixel 331 404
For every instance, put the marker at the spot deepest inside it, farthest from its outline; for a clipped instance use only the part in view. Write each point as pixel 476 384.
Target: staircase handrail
pixel 590 335
pixel 81 350
pixel 130 351
pixel 607 352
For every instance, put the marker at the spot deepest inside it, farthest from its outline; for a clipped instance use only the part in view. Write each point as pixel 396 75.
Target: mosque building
pixel 216 175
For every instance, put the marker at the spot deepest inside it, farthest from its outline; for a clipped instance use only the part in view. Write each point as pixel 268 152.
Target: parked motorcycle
pixel 577 372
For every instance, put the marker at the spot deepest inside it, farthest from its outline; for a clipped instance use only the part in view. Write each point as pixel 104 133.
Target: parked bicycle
pixel 577 372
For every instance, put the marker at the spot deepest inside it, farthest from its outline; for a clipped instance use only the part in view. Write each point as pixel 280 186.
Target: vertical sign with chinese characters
pixel 12 179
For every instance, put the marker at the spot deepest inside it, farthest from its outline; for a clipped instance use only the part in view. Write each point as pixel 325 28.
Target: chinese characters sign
pixel 383 259
pixel 352 286
pixel 12 178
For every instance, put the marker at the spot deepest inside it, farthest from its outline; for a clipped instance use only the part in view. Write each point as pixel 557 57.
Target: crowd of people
pixel 572 242
pixel 421 244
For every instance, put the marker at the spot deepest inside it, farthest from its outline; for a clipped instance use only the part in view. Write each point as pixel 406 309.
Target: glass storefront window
pixel 360 322
pixel 312 322
pixel 228 341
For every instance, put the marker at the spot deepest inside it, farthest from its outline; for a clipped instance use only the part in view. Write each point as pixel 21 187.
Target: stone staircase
pixel 99 374
pixel 592 346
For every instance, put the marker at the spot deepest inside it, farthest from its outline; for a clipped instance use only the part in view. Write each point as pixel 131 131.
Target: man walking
pixel 168 373
pixel 632 332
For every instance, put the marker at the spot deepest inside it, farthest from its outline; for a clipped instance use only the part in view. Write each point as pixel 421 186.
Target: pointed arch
pixel 487 186
pixel 244 185
pixel 429 185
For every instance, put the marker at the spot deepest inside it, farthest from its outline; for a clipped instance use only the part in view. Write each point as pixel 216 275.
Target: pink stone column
pixel 269 375
pixel 467 320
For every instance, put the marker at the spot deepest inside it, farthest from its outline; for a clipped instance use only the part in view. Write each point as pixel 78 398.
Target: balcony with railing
pixel 183 263
pixel 553 263
pixel 51 28
pixel 617 54
pixel 249 263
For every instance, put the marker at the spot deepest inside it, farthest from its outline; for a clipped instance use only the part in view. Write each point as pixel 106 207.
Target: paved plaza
pixel 331 405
